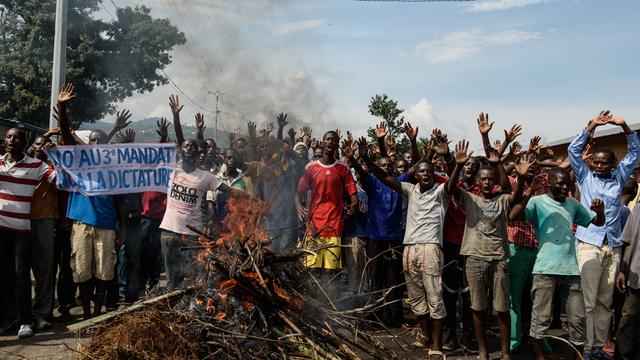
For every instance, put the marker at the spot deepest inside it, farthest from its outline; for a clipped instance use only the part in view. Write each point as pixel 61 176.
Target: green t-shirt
pixel 553 222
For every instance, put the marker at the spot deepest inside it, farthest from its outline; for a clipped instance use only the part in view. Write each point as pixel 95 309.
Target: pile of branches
pixel 253 304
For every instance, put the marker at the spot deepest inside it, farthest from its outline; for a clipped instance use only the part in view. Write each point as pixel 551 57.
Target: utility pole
pixel 217 94
pixel 59 56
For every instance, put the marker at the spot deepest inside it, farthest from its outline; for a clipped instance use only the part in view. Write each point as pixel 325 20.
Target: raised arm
pixel 375 170
pixel 412 134
pixel 485 127
pixel 174 103
pixel 628 163
pixel 163 130
pixel 522 168
pixel 501 172
pixel 120 124
pixel 381 134
pixel 509 137
pixel 282 122
pixel 579 167
pixel 66 95
pixel 200 126
pixel 440 147
pixel 461 156
pixel 517 210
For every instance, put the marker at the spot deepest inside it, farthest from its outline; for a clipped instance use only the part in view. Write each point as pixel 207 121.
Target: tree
pixel 107 61
pixel 386 108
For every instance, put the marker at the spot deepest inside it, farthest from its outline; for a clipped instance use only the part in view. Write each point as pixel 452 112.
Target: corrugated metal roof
pixel 599 134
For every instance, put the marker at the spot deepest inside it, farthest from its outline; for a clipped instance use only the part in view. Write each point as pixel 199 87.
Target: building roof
pixel 599 134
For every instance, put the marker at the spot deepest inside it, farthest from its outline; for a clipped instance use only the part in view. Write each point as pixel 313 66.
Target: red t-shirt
pixel 154 204
pixel 328 185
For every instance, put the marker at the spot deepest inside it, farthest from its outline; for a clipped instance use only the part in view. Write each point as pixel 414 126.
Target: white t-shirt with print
pixel 186 193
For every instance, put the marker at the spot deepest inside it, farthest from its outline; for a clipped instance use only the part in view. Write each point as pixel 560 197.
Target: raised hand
pixel 269 128
pixel 121 120
pixel 251 127
pixel 163 129
pixel 534 144
pixel 390 141
pixel 513 133
pixel 483 123
pixel 460 152
pixel 66 94
pixel 282 120
pixel 339 133
pixel 602 118
pixel 130 135
pixel 381 130
pixel 494 155
pixel 200 122
pixel 515 149
pixel 347 149
pixel 613 120
pixel 362 146
pixel 292 134
pixel 441 143
pixel 497 144
pixel 412 133
pixel 524 163
pixel 597 205
pixel 174 103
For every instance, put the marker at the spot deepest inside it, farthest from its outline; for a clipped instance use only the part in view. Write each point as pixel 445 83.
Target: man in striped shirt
pixel 19 175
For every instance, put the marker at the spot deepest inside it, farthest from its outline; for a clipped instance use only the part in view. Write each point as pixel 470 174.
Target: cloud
pixel 421 113
pixel 502 4
pixel 461 45
pixel 298 26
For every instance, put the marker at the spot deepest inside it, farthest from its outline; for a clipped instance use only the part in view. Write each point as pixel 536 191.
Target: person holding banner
pixel 19 175
pixel 93 235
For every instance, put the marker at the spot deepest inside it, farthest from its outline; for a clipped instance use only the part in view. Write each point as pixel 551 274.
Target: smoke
pixel 243 52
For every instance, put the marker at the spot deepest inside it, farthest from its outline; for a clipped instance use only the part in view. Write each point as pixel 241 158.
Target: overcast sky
pixel 547 64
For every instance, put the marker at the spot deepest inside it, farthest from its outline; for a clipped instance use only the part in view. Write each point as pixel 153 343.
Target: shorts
pixel 488 279
pixel 325 258
pixel 422 265
pixel 93 252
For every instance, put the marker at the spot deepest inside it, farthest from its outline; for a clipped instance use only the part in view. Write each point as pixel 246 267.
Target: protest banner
pixel 113 168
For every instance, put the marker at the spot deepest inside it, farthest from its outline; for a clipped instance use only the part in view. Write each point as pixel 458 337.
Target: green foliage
pixel 386 108
pixel 106 61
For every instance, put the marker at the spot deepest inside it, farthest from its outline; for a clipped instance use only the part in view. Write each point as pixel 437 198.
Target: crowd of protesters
pixel 457 237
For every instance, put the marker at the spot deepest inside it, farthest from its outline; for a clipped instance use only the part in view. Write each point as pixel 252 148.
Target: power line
pixel 185 94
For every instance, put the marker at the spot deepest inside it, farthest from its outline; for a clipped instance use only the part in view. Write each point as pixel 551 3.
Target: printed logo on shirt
pixel 185 194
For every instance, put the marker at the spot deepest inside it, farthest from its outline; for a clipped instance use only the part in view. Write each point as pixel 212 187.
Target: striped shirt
pixel 18 181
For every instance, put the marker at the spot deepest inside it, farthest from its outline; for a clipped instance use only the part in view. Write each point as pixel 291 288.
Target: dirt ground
pixel 57 343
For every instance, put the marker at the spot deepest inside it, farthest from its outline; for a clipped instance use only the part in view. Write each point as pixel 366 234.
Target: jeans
pixel 133 259
pixel 385 270
pixel 598 266
pixel 520 267
pixel 628 334
pixel 15 272
pixel 65 287
pixel 42 264
pixel 151 265
pixel 181 265
pixel 542 292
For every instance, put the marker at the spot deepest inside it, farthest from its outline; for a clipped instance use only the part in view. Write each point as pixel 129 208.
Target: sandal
pixel 436 355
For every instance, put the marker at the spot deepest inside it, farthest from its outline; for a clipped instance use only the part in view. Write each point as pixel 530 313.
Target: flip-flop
pixel 436 355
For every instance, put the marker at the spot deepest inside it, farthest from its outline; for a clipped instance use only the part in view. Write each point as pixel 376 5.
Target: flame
pixel 220 315
pixel 227 285
pixel 210 305
pixel 280 292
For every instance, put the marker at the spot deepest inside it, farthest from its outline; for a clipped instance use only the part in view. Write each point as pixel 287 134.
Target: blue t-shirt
pixel 385 209
pixel 356 225
pixel 98 211
pixel 553 222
